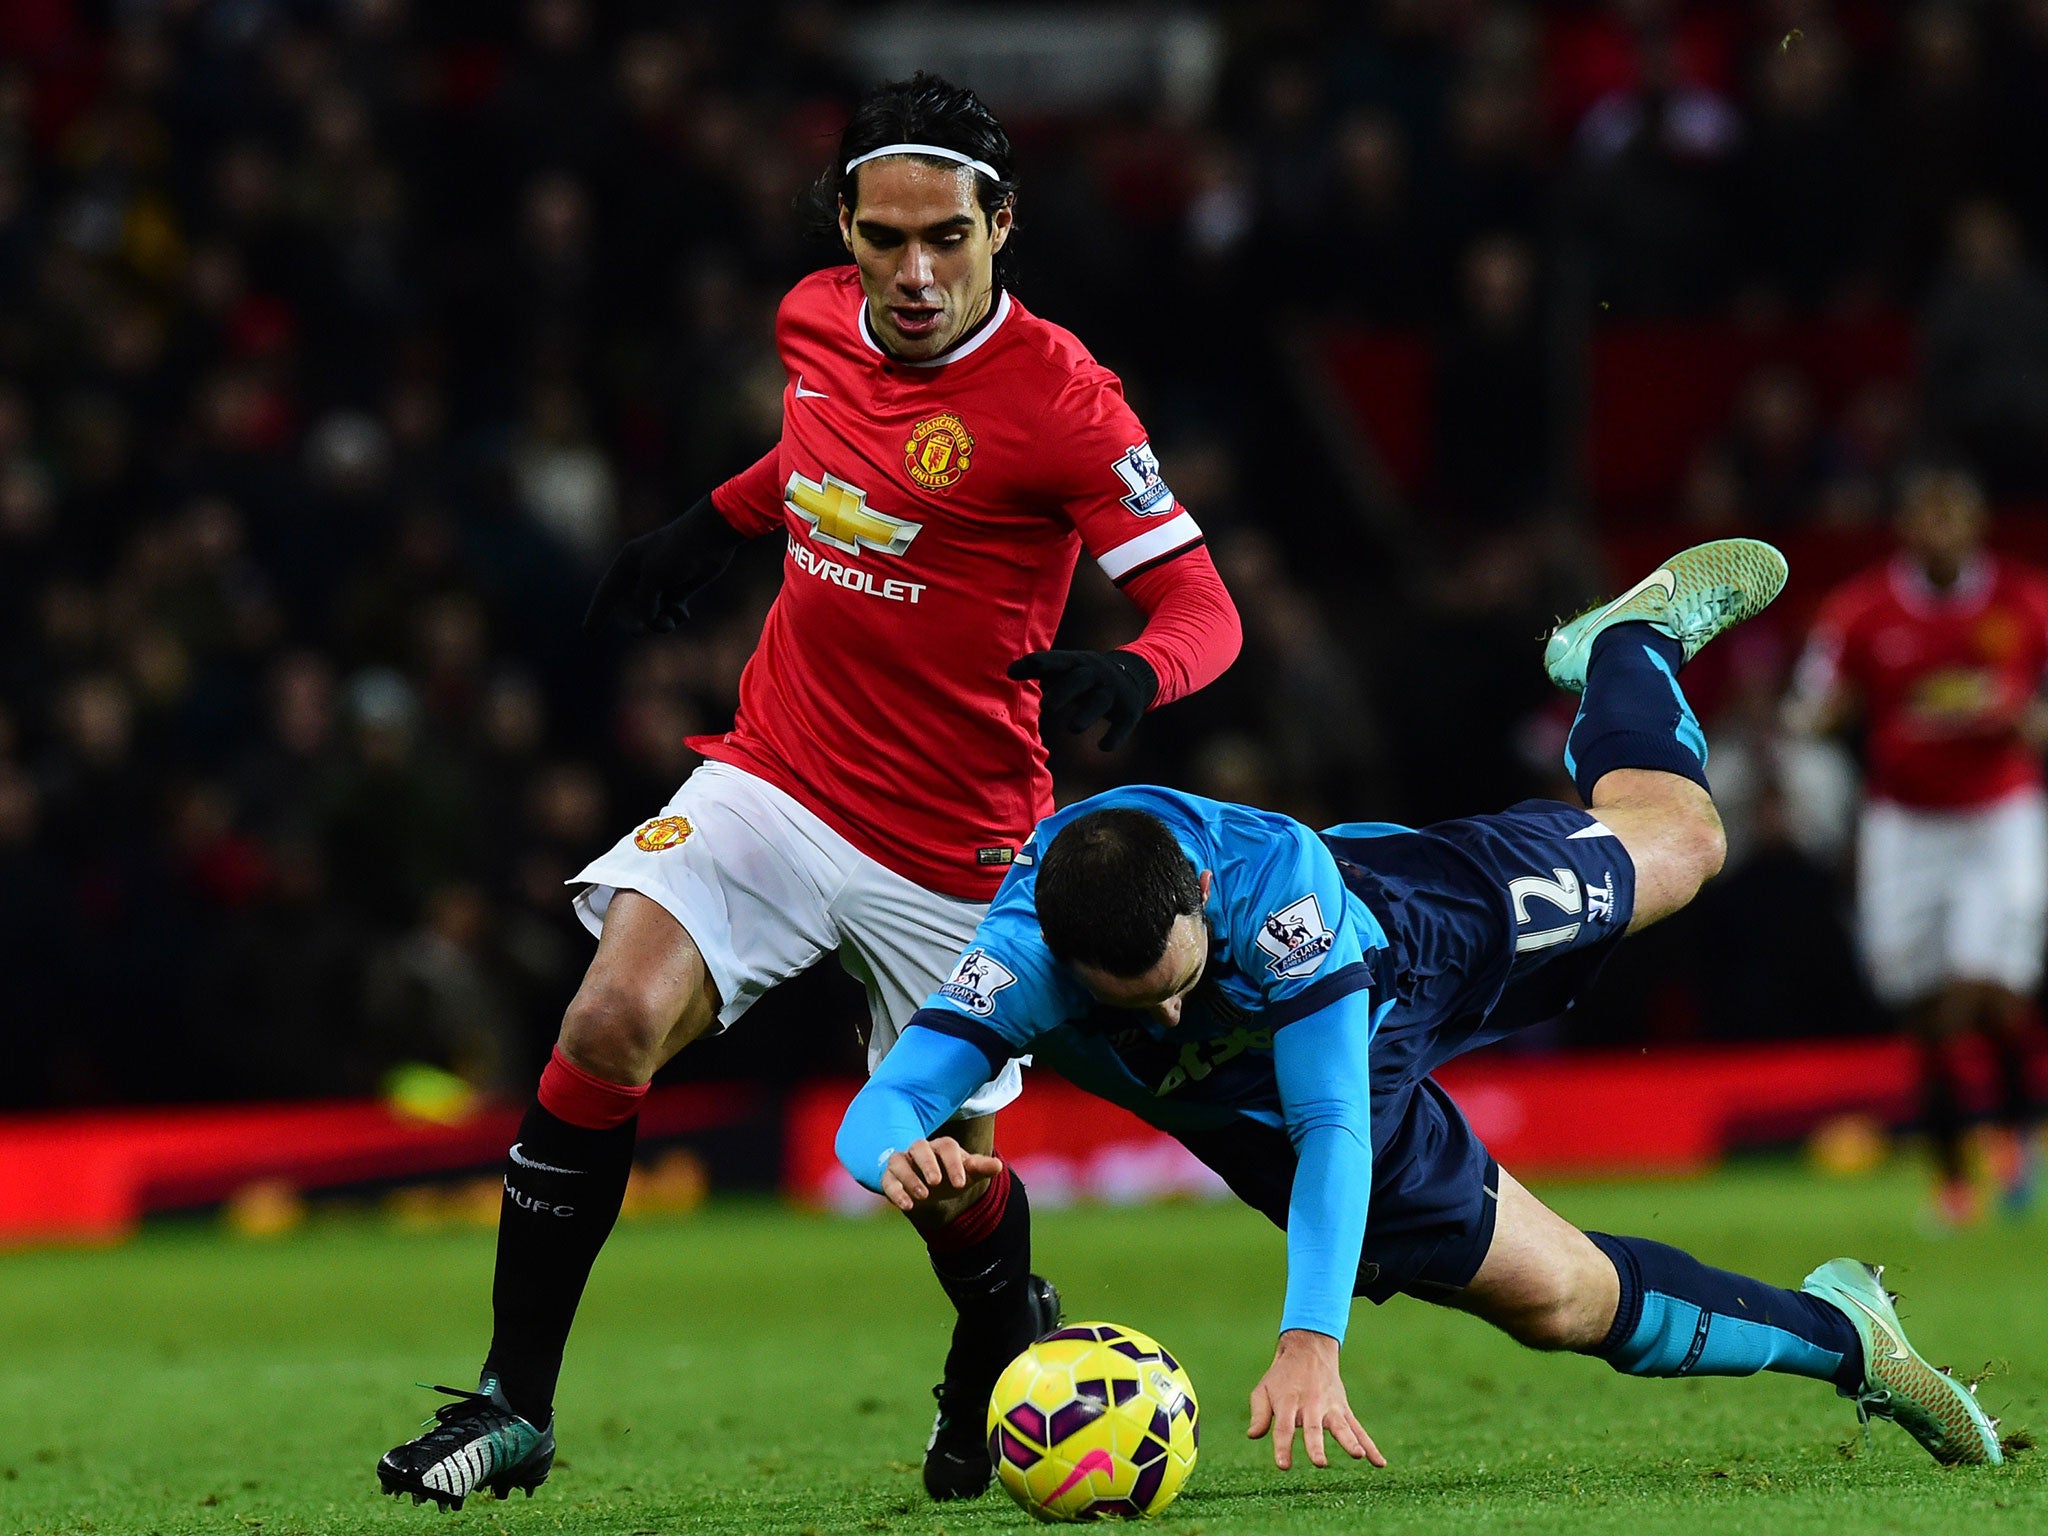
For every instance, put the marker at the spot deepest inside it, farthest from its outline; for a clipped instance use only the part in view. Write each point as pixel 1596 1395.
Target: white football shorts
pixel 1953 896
pixel 767 890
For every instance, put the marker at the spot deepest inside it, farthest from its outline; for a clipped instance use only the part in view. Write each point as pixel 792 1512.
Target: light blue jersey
pixel 1278 1029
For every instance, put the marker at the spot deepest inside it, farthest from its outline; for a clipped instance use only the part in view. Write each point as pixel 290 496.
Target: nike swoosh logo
pixel 809 394
pixel 526 1162
pixel 1898 1349
pixel 1095 1461
pixel 1661 578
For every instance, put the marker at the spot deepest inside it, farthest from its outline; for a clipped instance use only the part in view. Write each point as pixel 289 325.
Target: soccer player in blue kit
pixel 1277 997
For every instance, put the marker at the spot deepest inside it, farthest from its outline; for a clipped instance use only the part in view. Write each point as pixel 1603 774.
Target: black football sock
pixel 983 1261
pixel 2016 1094
pixel 1941 1109
pixel 564 1185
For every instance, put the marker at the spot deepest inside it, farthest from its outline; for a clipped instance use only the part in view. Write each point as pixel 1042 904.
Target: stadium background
pixel 340 344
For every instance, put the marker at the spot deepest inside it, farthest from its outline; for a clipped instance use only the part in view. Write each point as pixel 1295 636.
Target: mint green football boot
pixel 1927 1403
pixel 1692 597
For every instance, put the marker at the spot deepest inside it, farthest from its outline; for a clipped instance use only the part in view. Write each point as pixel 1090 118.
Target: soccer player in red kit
pixel 946 456
pixel 1942 653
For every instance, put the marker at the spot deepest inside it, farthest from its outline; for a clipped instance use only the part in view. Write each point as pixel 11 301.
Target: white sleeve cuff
pixel 1171 536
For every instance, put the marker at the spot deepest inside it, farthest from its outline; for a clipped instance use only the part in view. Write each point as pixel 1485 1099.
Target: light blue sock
pixel 1679 1317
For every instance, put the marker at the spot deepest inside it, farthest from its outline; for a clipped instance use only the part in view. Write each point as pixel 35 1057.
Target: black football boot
pixel 956 1464
pixel 477 1441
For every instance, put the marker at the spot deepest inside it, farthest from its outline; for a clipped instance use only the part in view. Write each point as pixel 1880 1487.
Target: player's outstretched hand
pixel 652 580
pixel 1304 1390
pixel 1078 688
pixel 933 1169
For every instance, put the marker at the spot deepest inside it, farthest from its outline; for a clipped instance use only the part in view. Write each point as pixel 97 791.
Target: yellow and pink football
pixel 1093 1421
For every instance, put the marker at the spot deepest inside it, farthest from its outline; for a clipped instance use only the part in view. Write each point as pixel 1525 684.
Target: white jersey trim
pixel 964 349
pixel 1173 534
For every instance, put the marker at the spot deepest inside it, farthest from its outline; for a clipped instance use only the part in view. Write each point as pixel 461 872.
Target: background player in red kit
pixel 1941 653
pixel 945 457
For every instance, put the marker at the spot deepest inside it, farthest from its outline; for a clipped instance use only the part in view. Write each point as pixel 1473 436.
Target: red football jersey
pixel 1942 678
pixel 935 512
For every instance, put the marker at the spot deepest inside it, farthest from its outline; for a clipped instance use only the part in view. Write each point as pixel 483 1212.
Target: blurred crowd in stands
pixel 341 341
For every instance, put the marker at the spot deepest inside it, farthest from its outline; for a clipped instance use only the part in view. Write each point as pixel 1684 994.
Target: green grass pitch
pixel 749 1370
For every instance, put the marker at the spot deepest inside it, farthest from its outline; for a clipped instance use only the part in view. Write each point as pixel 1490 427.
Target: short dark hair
pixel 924 109
pixel 1109 888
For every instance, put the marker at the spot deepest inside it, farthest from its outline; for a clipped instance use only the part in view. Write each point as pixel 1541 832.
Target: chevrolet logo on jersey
pixel 839 515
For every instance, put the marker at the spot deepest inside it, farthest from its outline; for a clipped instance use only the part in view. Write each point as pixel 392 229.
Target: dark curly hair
pixel 922 110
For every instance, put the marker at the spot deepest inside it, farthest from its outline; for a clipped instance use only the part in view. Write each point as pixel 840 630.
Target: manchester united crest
pixel 939 452
pixel 662 834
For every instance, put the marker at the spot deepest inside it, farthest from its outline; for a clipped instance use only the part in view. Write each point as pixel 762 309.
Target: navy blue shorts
pixel 1494 924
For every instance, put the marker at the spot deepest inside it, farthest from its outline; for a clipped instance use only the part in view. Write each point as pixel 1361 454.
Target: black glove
pixel 652 580
pixel 1082 687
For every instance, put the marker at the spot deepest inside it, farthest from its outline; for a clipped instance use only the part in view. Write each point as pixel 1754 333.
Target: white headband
pixel 933 150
